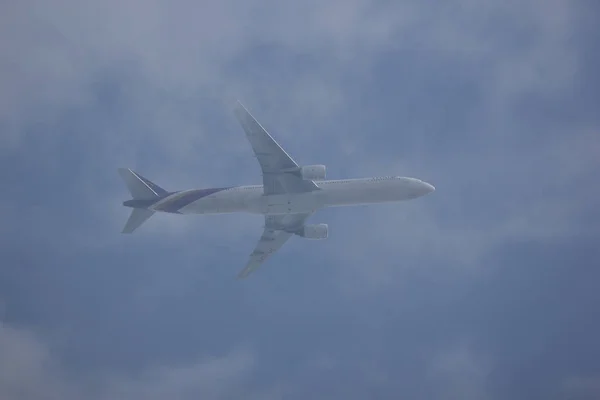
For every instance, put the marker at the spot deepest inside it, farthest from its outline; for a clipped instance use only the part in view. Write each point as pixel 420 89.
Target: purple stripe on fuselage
pixel 174 205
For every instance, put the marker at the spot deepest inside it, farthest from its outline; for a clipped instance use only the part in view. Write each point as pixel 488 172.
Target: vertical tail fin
pixel 140 189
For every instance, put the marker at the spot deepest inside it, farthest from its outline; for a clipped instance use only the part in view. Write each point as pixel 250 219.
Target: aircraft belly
pixel 369 193
pixel 202 206
pixel 219 203
pixel 353 197
pixel 290 203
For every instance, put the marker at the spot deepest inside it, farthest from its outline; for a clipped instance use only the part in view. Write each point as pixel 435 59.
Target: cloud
pixel 56 53
pixel 459 374
pixel 26 368
pixel 30 370
pixel 182 49
pixel 473 212
pixel 581 388
pixel 152 81
pixel 478 97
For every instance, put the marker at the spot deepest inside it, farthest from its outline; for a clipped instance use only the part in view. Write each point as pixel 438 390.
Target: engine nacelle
pixel 313 172
pixel 318 231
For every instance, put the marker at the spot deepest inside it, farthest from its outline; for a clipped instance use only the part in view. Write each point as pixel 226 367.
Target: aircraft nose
pixel 427 188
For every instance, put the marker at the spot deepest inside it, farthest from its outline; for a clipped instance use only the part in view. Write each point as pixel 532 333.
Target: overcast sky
pixel 485 289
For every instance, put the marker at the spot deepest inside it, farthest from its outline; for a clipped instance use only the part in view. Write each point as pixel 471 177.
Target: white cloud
pixel 177 62
pixel 27 370
pixel 460 374
pixel 53 52
pixel 193 54
pixel 581 388
pixel 30 370
pixel 540 196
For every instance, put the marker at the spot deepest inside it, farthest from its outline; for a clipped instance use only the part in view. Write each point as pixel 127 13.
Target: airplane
pixel 289 195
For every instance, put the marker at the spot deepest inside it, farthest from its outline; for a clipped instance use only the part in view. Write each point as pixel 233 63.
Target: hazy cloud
pixel 492 102
pixel 29 370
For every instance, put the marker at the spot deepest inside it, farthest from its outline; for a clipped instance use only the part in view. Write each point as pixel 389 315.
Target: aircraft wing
pixel 278 229
pixel 273 160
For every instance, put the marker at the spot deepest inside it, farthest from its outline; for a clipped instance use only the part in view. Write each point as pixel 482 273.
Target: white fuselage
pixel 332 193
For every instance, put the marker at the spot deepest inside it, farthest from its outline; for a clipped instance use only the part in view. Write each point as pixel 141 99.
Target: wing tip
pixel 249 269
pixel 243 274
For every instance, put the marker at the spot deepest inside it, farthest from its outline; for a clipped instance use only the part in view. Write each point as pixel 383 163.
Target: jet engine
pixel 318 231
pixel 313 172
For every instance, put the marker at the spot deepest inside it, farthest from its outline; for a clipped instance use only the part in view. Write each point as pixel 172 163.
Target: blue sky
pixel 486 289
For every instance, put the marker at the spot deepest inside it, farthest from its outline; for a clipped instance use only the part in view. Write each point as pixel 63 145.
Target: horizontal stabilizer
pixel 138 217
pixel 140 187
